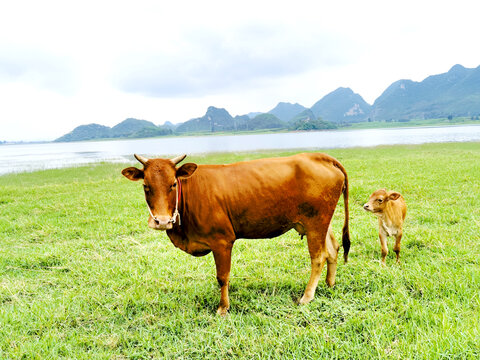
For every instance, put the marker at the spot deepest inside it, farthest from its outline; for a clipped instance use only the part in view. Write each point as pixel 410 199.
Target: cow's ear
pixel 186 170
pixel 132 173
pixel 393 196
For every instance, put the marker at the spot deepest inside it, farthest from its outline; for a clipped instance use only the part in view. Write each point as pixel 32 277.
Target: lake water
pixel 29 157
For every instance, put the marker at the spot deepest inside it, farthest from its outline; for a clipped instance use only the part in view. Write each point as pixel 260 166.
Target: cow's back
pixel 263 198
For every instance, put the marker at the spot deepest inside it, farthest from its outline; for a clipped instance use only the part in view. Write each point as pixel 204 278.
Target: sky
pixel 65 64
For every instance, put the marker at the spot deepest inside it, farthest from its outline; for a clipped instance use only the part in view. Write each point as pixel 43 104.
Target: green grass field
pixel 83 277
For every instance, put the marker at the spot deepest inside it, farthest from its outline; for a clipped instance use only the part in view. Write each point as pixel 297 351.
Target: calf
pixel 390 208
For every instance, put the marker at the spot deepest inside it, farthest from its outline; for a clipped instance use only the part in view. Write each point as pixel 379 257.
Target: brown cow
pixel 205 208
pixel 390 208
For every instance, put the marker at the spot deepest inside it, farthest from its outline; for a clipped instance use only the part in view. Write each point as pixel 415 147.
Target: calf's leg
pixel 396 248
pixel 383 245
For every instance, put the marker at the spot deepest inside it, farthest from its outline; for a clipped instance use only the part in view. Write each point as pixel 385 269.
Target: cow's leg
pixel 318 255
pixel 223 260
pixel 332 248
pixel 396 248
pixel 383 245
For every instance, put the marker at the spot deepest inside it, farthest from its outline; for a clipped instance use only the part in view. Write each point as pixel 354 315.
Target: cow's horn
pixel 178 159
pixel 140 158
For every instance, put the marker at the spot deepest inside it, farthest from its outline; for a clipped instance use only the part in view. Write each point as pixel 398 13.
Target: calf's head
pixel 160 179
pixel 379 199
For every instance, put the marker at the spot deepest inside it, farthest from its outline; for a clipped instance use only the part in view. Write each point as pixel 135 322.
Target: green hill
pixel 214 120
pixel 455 93
pixel 266 121
pixel 342 106
pixel 86 132
pixel 287 111
pixel 129 128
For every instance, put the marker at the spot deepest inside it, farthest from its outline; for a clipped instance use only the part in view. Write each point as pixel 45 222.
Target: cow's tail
pixel 345 231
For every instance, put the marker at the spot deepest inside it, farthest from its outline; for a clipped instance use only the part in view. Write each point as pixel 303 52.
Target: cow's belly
pixel 262 234
pixel 263 228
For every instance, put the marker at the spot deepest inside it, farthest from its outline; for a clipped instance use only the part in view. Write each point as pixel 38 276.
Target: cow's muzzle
pixel 160 222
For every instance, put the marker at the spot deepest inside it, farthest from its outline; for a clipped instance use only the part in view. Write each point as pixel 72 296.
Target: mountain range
pixel 454 93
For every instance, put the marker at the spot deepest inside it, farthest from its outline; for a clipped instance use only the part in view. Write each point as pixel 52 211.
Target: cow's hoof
pixel 222 311
pixel 330 283
pixel 305 300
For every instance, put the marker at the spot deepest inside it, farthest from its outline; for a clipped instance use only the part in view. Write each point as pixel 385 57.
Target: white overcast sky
pixel 65 63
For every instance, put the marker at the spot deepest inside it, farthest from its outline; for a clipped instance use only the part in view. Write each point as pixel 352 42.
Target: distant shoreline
pixel 429 123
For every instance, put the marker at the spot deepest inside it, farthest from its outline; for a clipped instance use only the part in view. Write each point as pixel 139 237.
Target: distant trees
pixel 308 124
pixel 304 122
pixel 265 121
pixel 152 132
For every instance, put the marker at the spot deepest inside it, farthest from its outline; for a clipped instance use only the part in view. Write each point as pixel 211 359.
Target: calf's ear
pixel 186 170
pixel 132 173
pixel 393 196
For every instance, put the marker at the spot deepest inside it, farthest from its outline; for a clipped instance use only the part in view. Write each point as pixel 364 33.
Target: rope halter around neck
pixel 176 213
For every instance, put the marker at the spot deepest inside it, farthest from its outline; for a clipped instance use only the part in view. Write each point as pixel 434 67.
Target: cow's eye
pixel 146 188
pixel 380 200
pixel 174 185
